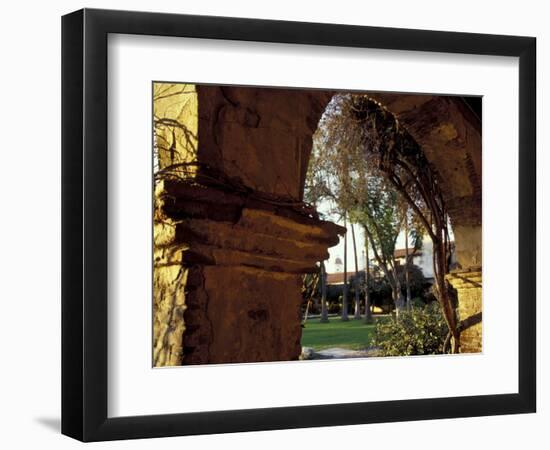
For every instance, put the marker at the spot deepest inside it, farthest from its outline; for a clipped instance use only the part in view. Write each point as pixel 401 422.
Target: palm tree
pixel 324 311
pixel 368 313
pixel 345 317
pixel 407 282
pixel 357 314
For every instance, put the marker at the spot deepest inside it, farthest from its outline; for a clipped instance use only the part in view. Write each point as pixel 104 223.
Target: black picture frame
pixel 84 224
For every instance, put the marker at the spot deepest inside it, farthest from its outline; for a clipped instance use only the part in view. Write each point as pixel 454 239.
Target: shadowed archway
pixel 228 271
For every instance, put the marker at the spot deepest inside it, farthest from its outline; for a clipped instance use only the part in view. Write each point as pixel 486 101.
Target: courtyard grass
pixel 353 335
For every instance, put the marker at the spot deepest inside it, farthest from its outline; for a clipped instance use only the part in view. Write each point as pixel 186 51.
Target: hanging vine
pixel 403 163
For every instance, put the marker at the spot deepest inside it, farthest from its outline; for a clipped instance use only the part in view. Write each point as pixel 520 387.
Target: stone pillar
pixel 230 271
pixel 468 284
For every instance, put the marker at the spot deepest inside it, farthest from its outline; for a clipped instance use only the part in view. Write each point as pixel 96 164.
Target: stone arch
pixel 234 259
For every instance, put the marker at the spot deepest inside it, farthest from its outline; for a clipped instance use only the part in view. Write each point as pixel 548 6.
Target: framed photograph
pixel 273 225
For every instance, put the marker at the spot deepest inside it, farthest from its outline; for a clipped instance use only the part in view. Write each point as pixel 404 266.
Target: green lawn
pixel 355 334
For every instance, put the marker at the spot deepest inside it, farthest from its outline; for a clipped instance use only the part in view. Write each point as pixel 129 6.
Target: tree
pixel 368 312
pixel 314 192
pixel 309 289
pixel 380 213
pixel 357 306
pixel 324 310
pixel 417 281
pixel 407 281
pixel 358 137
pixel 340 172
pixel 403 164
pixel 345 317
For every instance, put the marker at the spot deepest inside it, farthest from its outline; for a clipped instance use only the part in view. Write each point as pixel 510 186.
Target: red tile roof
pixel 401 253
pixel 336 278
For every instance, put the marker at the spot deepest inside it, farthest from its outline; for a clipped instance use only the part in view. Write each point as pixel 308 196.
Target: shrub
pixel 334 308
pixel 418 302
pixel 421 331
pixel 417 281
